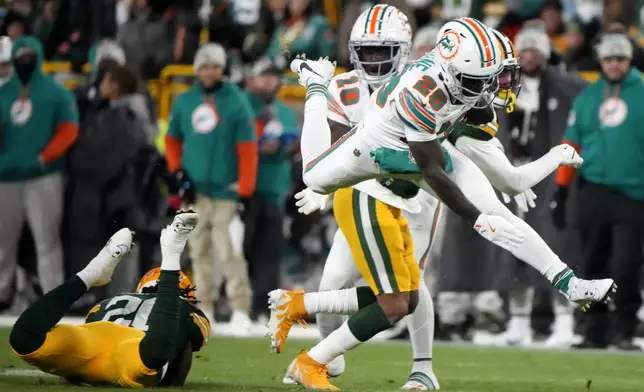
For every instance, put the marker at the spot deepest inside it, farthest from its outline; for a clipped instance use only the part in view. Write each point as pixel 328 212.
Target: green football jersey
pixel 133 310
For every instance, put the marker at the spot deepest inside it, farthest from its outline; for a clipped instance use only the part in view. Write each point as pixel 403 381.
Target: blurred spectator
pixel 146 38
pixel 272 14
pixel 45 21
pixel 302 32
pixel 424 41
pixel 104 190
pixel 212 149
pixel 104 55
pixel 534 127
pixel 15 26
pixel 6 68
pixel 31 182
pixel 276 128
pixel 552 16
pixel 349 15
pixel 580 54
pixel 611 189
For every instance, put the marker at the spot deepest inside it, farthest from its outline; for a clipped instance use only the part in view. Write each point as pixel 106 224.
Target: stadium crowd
pixel 126 158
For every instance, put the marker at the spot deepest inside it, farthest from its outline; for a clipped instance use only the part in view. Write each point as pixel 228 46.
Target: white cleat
pixel 313 71
pixel 175 236
pixel 419 381
pixel 518 333
pixel 116 248
pixel 584 292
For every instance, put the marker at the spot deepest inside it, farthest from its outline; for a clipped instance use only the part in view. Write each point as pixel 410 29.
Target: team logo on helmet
pixel 448 45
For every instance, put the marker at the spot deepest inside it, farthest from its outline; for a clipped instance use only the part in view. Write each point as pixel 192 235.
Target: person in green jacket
pixel 211 148
pixel 38 124
pixel 302 32
pixel 605 126
pixel 276 126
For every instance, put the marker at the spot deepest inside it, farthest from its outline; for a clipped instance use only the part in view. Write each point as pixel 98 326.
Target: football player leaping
pixel 399 130
pixel 377 53
pixel 134 340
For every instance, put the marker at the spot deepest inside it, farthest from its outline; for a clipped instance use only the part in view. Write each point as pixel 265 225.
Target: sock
pixel 421 331
pixel 94 270
pixel 562 279
pixel 328 323
pixel 30 330
pixel 345 301
pixel 337 343
pixel 171 257
pixel 316 134
pixel 534 251
pixel 368 321
pixel 158 345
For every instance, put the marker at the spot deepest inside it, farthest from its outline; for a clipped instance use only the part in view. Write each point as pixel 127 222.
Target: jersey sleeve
pixel 420 123
pixel 336 111
pixel 198 326
pixel 96 313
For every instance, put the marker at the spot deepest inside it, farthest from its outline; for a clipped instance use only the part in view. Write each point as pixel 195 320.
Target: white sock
pixel 421 331
pixel 328 323
pixel 95 268
pixel 343 301
pixel 316 134
pixel 337 343
pixel 534 251
pixel 170 257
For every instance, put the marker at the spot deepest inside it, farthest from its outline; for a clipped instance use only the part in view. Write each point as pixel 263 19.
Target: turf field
pixel 229 365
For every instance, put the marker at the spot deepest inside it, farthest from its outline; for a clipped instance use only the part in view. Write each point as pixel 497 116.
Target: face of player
pixel 615 68
pixel 532 62
pixel 265 86
pixel 209 74
pixel 377 60
pixel 297 7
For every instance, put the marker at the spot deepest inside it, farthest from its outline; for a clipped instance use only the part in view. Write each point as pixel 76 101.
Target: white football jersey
pixel 413 106
pixel 348 99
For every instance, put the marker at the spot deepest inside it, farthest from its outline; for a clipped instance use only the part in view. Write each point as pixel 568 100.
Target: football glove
pixel 308 201
pixel 499 231
pixel 524 200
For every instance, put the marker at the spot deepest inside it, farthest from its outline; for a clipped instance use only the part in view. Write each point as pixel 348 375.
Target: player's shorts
pixel 380 241
pixel 94 353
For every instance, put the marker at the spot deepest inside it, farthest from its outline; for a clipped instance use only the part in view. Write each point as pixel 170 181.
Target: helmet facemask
pixel 509 87
pixel 474 91
pixel 376 61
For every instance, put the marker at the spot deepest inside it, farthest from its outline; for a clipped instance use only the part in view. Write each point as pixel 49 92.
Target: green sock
pixel 30 330
pixel 158 346
pixel 368 321
pixel 561 280
pixel 365 296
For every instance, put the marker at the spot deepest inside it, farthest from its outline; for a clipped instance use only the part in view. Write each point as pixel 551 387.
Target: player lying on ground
pixel 403 121
pixel 376 54
pixel 132 350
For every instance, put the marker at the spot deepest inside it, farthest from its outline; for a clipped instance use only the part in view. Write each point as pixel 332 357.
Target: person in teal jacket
pixel 276 126
pixel 605 126
pixel 211 147
pixel 302 32
pixel 38 124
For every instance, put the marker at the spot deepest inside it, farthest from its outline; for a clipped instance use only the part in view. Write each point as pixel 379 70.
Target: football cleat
pixel 102 267
pixel 335 368
pixel 313 71
pixel 584 292
pixel 287 308
pixel 419 381
pixel 175 236
pixel 310 374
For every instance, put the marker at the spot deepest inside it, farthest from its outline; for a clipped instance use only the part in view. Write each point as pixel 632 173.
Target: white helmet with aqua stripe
pixel 380 43
pixel 469 55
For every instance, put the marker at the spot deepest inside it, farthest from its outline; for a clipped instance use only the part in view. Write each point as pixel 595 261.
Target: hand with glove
pixel 499 231
pixel 524 200
pixel 308 201
pixel 569 156
pixel 558 208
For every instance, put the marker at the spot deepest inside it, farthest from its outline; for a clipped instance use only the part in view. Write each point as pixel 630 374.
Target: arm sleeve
pixel 247 155
pixel 66 128
pixel 572 136
pixel 174 141
pixel 420 123
pixel 489 157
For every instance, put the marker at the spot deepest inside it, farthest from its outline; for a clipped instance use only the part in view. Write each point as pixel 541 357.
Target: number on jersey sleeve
pixel 413 113
pixel 389 87
pixel 426 86
pixel 343 93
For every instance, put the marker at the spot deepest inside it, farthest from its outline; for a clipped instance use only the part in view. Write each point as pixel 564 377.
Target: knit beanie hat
pixel 533 36
pixel 210 53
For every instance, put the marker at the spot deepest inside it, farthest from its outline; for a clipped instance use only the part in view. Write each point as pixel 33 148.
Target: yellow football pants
pixel 95 353
pixel 380 241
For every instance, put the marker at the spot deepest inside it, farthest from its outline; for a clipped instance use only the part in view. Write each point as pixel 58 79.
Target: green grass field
pixel 246 365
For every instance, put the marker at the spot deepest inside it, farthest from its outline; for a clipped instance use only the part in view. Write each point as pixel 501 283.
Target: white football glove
pixel 524 200
pixel 569 156
pixel 499 231
pixel 309 201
